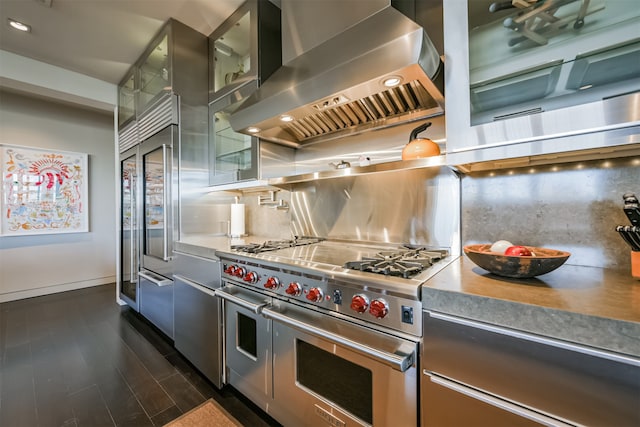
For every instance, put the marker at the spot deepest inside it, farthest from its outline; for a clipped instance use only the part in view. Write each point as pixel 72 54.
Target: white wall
pixel 39 265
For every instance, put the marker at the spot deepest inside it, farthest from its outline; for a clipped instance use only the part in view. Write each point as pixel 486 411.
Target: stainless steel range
pixel 327 331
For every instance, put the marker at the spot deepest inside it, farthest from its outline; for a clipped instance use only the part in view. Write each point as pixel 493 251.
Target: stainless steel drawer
pixel 201 270
pixel 156 300
pixel 573 383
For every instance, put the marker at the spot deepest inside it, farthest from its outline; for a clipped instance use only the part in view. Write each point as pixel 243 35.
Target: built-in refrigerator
pixel 149 191
pixel 157 227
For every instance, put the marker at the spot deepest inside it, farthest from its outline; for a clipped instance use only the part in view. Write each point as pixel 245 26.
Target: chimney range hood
pixel 380 72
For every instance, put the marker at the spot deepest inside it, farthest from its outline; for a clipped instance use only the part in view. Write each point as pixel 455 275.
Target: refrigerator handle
pixel 133 227
pixel 167 216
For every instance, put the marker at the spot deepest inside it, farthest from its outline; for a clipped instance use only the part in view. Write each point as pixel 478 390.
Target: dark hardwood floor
pixel 77 358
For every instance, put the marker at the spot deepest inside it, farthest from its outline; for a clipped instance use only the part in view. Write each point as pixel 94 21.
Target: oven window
pixel 247 338
pixel 344 383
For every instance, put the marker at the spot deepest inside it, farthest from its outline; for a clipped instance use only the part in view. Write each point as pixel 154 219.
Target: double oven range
pixel 327 332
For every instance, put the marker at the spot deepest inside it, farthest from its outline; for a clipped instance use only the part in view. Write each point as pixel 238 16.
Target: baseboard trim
pixel 54 289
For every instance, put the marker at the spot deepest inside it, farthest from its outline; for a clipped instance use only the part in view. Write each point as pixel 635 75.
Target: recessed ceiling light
pixel 19 25
pixel 253 130
pixel 286 118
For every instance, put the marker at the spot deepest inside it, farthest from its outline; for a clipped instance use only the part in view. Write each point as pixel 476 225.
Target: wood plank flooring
pixel 77 359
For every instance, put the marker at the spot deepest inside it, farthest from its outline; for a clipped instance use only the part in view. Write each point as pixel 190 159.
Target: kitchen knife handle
pixel 627 237
pixel 633 213
pixel 632 208
pixel 633 236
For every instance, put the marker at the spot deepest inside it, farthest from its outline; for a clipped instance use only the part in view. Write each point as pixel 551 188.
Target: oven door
pixel 329 371
pixel 247 343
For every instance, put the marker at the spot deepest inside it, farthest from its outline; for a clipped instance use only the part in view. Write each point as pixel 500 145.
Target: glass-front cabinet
pixel 244 51
pixel 539 69
pixel 174 62
pixel 127 99
pixel 234 156
pixel 245 48
pixel 155 71
pixel 231 56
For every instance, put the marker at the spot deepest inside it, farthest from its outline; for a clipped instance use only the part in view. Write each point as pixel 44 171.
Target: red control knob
pixel 379 308
pixel 230 269
pixel 294 289
pixel 315 295
pixel 272 283
pixel 251 277
pixel 359 303
pixel 240 272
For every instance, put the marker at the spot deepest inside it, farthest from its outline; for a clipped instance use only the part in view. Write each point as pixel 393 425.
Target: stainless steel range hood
pixel 337 87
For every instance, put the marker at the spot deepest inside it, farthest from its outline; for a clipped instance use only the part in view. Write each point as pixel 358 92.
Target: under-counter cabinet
pixel 198 314
pixel 483 375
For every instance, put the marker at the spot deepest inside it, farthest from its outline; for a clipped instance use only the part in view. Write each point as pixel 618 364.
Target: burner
pixel 272 245
pixel 405 263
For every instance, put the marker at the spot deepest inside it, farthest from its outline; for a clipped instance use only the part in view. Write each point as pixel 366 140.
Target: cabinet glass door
pixel 231 55
pixel 234 154
pixel 126 100
pixel 527 56
pixel 128 221
pixel 155 73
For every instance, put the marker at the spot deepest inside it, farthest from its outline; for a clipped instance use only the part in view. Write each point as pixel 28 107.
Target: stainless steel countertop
pixel 591 306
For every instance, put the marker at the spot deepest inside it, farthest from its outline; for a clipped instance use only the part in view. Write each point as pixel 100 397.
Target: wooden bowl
pixel 519 267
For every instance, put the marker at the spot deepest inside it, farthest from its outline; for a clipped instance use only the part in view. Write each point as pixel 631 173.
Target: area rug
pixel 208 414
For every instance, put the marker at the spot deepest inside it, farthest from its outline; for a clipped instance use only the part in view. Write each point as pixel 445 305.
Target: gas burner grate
pixel 272 245
pixel 405 263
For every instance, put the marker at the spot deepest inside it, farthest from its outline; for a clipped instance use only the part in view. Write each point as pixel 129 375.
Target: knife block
pixel 635 264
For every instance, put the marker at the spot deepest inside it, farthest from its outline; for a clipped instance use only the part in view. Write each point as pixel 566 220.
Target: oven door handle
pixel 255 308
pixel 399 362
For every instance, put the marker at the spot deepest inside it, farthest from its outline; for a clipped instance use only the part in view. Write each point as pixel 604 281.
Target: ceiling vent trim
pixel 160 115
pixel 128 137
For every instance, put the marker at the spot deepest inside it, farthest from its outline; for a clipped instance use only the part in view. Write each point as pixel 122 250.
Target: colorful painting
pixel 43 191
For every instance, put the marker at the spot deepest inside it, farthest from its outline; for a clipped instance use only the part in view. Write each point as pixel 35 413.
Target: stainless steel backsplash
pixel 572 207
pixel 419 206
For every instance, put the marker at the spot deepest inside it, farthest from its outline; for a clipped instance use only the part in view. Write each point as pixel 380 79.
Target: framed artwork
pixel 43 191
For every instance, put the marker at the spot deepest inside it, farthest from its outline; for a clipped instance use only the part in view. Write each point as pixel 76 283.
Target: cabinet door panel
pixel 444 407
pixel 568 381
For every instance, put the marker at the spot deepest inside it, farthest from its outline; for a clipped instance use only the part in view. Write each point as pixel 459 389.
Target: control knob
pixel 315 295
pixel 230 269
pixel 272 283
pixel 379 308
pixel 239 272
pixel 251 277
pixel 294 289
pixel 359 303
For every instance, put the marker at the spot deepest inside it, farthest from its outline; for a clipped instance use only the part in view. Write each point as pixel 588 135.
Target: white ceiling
pixel 100 38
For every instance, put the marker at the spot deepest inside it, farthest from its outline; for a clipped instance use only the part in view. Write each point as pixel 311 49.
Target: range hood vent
pixel 338 87
pixel 390 106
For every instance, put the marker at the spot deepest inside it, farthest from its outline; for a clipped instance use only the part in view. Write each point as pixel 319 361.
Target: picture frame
pixel 44 191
